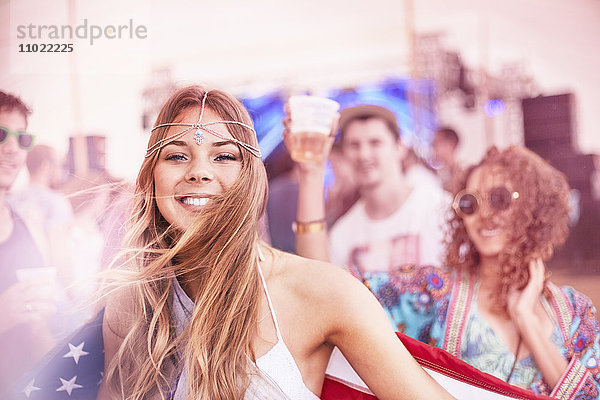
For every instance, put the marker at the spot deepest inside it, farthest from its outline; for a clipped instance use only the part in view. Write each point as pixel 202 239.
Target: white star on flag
pixel 76 352
pixel 69 385
pixel 30 388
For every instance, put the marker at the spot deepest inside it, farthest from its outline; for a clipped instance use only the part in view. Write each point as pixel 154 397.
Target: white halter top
pixel 279 376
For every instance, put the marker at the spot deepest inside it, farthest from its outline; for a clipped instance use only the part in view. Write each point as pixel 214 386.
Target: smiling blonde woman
pixel 204 309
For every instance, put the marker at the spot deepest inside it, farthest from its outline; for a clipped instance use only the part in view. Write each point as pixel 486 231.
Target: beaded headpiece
pixel 201 127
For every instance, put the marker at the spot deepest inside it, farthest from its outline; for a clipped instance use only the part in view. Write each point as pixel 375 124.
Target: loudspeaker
pixel 549 125
pixel 578 169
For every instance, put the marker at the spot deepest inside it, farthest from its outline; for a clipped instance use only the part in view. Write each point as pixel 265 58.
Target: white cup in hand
pixel 311 121
pixel 42 290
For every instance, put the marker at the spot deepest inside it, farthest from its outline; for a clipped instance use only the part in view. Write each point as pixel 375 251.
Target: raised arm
pixel 311 230
pixel 312 240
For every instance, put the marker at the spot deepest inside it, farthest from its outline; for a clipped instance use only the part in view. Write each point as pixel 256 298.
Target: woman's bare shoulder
pixel 120 310
pixel 315 280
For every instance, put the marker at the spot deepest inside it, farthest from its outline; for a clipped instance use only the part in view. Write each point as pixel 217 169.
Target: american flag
pixel 74 369
pixel 459 378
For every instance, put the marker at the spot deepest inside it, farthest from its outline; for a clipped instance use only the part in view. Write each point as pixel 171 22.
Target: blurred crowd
pixel 58 231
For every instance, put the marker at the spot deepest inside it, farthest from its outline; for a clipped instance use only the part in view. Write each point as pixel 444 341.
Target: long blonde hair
pixel 218 251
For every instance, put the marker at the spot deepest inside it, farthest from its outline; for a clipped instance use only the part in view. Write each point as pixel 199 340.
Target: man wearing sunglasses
pixel 25 302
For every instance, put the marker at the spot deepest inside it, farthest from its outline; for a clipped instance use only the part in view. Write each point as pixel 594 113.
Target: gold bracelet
pixel 309 227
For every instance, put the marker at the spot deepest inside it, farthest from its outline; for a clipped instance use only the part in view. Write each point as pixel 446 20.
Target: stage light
pixel 494 107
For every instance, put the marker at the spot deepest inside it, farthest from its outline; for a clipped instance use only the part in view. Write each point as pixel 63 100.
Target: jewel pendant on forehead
pixel 199 136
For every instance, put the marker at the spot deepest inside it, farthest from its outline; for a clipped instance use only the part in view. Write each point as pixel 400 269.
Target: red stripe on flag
pixel 335 390
pixel 445 363
pixel 433 359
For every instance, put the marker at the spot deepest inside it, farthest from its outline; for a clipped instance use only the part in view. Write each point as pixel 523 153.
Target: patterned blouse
pixel 439 306
pixel 486 351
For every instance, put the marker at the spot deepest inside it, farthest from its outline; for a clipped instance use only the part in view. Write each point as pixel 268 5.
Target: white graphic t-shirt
pixel 411 235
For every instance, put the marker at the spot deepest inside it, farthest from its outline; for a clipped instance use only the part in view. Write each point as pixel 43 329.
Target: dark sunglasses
pixel 24 139
pixel 467 202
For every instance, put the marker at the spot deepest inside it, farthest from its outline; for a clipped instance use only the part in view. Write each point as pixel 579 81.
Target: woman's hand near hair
pixel 534 324
pixel 311 198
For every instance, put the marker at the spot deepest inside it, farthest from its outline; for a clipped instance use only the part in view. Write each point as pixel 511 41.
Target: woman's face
pixel 188 174
pixel 489 227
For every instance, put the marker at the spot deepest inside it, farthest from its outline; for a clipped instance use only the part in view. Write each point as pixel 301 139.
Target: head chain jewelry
pixel 199 134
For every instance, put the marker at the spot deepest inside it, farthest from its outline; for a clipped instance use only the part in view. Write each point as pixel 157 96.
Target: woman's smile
pixel 194 202
pixel 189 173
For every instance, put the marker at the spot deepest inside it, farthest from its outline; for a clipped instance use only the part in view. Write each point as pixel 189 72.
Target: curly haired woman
pixel 209 311
pixel 492 306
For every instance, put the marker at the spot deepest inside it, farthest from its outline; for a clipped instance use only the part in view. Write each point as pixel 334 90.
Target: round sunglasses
pixel 467 202
pixel 24 139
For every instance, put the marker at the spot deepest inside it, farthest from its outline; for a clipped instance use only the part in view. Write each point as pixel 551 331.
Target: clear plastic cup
pixel 311 121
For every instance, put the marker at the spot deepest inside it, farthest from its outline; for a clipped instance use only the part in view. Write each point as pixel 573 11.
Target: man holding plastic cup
pixel 392 224
pixel 26 304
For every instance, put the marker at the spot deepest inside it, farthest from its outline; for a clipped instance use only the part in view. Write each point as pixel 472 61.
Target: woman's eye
pixel 176 157
pixel 226 157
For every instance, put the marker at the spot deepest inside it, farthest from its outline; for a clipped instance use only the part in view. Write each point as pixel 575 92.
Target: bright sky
pixel 263 45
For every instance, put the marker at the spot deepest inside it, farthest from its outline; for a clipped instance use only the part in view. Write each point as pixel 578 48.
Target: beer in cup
pixel 311 120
